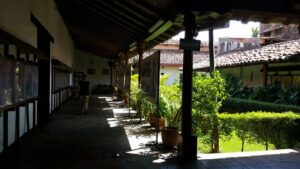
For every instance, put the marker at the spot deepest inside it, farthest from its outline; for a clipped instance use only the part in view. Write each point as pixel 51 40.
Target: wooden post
pixel 140 52
pixel 27 117
pixel 33 110
pixel 265 75
pixel 17 129
pixel 211 51
pixel 189 142
pixel 5 130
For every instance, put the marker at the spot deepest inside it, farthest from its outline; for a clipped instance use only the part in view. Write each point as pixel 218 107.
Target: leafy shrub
pixel 208 94
pixel 267 127
pixel 170 101
pixel 233 85
pixel 233 105
pixel 269 93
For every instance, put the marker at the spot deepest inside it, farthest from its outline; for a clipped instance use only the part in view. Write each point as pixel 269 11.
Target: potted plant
pixel 170 134
pixel 156 118
pixel 170 101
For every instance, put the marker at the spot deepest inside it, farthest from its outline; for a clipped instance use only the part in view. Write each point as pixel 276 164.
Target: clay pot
pixel 170 136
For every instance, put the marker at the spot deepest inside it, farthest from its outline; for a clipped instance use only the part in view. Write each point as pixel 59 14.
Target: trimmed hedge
pixel 267 127
pixel 232 105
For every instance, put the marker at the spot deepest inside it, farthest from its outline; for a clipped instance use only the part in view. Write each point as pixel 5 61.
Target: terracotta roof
pixel 175 57
pixel 176 42
pixel 171 42
pixel 282 51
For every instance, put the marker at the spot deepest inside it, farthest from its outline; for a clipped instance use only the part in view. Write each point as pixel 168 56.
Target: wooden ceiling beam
pixel 110 36
pixel 101 42
pixel 141 14
pixel 112 18
pixel 121 13
pixel 95 18
pixel 143 8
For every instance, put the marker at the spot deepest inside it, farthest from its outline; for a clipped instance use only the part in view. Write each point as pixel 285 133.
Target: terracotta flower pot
pixel 170 136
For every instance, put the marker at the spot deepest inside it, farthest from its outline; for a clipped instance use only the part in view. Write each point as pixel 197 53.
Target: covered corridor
pixel 45 47
pixel 108 138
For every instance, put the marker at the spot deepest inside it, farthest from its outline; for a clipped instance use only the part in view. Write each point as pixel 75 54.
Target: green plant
pixel 134 91
pixel 233 105
pixel 208 95
pixel 169 102
pixel 267 127
pixel 233 84
pixel 255 32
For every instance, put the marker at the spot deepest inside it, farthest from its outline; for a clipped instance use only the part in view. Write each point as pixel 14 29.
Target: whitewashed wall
pixel 245 74
pixel 85 60
pixel 15 18
pixel 172 72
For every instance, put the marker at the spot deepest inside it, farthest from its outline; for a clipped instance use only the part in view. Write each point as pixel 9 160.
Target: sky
pixel 236 29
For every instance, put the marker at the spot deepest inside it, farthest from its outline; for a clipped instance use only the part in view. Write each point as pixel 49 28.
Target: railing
pixel 59 96
pixel 17 120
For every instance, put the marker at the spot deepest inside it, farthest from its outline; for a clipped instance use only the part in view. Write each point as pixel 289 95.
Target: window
pixel 19 81
pixel 29 81
pixel 7 74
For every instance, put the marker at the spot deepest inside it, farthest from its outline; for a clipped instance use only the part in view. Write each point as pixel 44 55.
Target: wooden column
pixel 265 75
pixel 140 52
pixel 5 131
pixel 17 129
pixel 211 50
pixel 189 142
pixel 111 73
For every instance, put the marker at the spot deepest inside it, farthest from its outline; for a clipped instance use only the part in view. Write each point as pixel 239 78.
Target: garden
pixel 226 116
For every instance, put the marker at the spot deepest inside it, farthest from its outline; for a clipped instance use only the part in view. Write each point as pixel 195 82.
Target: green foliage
pixel 267 127
pixel 170 102
pixel 255 32
pixel 233 85
pixel 134 91
pixel 274 93
pixel 269 93
pixel 233 105
pixel 138 98
pixel 208 94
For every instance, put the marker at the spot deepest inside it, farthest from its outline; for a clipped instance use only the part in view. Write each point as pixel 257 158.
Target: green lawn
pixel 234 144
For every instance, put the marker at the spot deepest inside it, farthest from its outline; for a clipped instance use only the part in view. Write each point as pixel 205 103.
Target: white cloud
pixel 236 29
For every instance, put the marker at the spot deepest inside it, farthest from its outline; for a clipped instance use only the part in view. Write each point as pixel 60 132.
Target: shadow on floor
pixel 100 140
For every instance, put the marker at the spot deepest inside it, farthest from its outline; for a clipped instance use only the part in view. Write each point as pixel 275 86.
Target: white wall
pixel 245 73
pixel 85 60
pixel 173 72
pixel 15 19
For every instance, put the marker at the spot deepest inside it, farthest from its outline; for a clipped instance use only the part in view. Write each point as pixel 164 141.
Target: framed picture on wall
pixel 105 71
pixel 91 71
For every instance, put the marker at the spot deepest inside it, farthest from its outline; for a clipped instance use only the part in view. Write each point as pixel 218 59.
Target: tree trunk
pixel 215 136
pixel 243 141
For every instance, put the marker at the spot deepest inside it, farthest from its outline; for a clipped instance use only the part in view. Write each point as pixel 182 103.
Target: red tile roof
pixel 276 52
pixel 175 57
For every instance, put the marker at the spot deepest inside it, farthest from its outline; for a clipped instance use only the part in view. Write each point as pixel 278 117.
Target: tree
pixel 255 32
pixel 208 94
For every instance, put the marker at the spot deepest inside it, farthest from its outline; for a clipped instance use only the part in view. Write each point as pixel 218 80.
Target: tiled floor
pixel 108 138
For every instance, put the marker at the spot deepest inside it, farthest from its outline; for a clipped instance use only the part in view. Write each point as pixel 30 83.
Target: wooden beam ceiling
pixel 110 27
